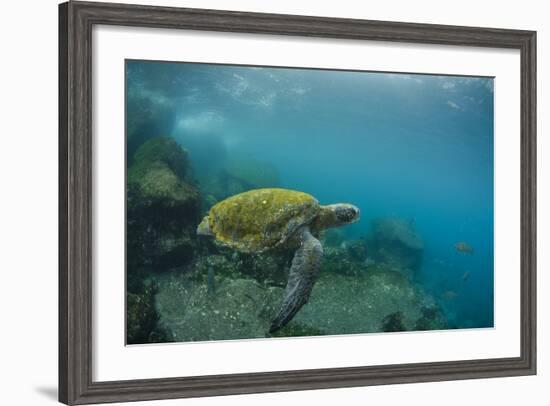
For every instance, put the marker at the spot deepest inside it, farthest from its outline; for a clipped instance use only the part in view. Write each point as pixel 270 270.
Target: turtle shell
pixel 261 219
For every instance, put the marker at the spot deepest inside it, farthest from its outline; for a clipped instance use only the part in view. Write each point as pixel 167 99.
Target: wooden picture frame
pixel 76 20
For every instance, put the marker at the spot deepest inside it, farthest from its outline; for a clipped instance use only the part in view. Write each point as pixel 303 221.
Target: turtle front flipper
pixel 302 277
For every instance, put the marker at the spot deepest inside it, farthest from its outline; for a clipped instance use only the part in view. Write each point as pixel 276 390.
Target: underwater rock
pixel 269 270
pixel 356 249
pixel 337 260
pixel 163 150
pixel 393 322
pixel 222 265
pixel 432 319
pixel 142 319
pixel 341 304
pixel 240 308
pixel 395 242
pixel 162 207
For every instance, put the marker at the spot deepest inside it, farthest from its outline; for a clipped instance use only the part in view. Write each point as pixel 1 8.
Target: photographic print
pixel 330 202
pixel 266 202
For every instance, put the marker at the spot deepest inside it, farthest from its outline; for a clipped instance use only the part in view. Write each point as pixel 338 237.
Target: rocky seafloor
pixel 243 308
pixel 182 288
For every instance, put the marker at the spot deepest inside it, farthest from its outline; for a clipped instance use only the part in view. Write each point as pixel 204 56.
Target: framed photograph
pixel 257 202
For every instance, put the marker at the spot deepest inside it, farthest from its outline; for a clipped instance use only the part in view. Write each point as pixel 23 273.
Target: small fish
pixel 211 282
pixel 369 262
pixel 465 276
pixel 464 247
pixel 449 295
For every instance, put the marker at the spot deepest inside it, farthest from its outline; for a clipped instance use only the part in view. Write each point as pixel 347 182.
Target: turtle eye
pixel 351 214
pixel 347 214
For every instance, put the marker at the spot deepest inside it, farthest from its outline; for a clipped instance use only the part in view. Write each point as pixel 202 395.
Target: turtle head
pixel 204 227
pixel 335 215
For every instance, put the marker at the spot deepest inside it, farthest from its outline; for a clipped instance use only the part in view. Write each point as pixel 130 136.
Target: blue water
pixel 417 147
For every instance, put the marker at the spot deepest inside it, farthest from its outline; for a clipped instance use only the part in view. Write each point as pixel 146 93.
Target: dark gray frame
pixel 76 20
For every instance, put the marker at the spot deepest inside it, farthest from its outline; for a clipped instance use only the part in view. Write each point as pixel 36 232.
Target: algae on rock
pixel 345 305
pixel 241 307
pixel 142 320
pixel 162 206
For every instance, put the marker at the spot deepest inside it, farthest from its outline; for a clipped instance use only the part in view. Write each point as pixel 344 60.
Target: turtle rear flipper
pixel 302 277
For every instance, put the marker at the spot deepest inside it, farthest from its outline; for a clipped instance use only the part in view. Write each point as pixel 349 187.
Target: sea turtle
pixel 264 219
